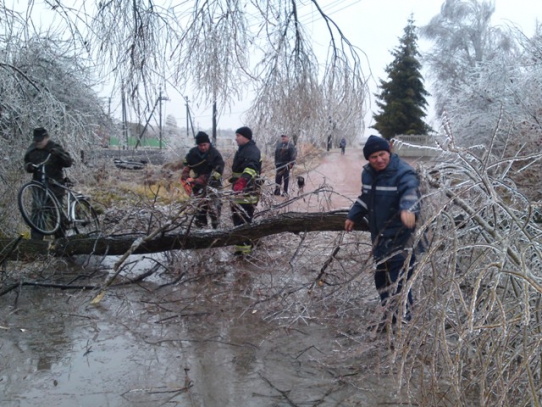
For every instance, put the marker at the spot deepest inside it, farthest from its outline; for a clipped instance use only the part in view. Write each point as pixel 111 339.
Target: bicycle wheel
pixel 85 220
pixel 40 208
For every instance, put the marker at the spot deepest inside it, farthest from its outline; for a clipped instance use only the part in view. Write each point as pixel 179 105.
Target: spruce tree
pixel 402 98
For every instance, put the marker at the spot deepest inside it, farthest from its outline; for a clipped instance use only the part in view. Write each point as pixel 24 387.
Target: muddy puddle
pixel 197 345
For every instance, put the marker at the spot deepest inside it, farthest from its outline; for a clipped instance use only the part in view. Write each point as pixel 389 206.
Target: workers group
pixel 389 201
pixel 203 167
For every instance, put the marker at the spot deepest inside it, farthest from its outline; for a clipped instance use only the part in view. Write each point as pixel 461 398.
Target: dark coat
pixel 204 164
pixel 384 195
pixel 285 153
pixel 59 159
pixel 247 162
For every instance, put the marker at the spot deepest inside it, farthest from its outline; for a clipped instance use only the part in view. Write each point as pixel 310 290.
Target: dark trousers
pixel 208 204
pixel 208 208
pixel 389 281
pixel 241 214
pixel 283 174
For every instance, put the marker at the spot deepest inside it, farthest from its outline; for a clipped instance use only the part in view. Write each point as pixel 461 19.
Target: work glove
pixel 216 175
pixel 240 184
pixel 201 180
pixel 186 173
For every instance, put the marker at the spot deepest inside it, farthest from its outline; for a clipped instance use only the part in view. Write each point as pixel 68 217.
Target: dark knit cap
pixel 245 132
pixel 202 137
pixel 39 133
pixel 374 144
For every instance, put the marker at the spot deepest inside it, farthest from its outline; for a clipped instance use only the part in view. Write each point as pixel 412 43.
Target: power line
pixel 328 10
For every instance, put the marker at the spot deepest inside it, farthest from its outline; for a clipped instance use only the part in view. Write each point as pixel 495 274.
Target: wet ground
pixel 213 332
pixel 57 354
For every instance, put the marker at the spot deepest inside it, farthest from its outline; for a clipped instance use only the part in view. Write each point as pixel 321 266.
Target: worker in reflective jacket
pixel 390 201
pixel 246 169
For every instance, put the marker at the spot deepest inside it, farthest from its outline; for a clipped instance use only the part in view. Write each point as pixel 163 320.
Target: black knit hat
pixel 245 132
pixel 374 144
pixel 202 137
pixel 40 133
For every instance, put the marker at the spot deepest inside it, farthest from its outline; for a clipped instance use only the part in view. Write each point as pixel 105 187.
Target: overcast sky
pixel 375 27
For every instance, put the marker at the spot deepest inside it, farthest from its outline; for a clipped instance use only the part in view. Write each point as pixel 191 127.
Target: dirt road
pixel 337 177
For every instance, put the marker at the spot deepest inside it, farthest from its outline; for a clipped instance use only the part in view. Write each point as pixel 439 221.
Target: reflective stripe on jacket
pixel 247 163
pixel 204 164
pixel 384 195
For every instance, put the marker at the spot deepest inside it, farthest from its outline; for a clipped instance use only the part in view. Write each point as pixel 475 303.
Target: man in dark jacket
pixel 390 200
pixel 41 148
pixel 342 145
pixel 207 166
pixel 285 156
pixel 246 169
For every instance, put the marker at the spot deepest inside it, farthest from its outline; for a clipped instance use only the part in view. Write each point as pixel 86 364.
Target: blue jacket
pixel 384 195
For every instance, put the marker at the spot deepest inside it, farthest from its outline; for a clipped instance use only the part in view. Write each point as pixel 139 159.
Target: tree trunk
pixel 293 222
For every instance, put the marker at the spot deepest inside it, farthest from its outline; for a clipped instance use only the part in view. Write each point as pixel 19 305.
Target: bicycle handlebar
pixel 39 165
pixel 45 179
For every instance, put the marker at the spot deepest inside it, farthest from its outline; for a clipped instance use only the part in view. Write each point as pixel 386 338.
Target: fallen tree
pixel 182 239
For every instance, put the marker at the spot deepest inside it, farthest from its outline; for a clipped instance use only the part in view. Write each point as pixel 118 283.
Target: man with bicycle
pixel 38 152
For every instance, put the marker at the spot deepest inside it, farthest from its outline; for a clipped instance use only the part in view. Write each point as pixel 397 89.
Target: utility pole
pixel 189 124
pixel 214 122
pixel 329 137
pixel 108 136
pixel 160 99
pixel 160 119
pixel 124 124
pixel 187 117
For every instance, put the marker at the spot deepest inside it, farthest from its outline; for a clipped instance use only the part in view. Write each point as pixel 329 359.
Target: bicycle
pixel 43 212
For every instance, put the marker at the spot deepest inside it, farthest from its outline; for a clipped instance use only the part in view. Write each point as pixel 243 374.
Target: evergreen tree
pixel 402 98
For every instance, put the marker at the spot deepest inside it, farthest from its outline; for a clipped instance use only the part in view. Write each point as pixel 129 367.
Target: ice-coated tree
pixel 44 82
pixel 463 38
pixel 474 67
pixel 402 98
pixel 175 139
pixel 220 49
pixel 487 86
